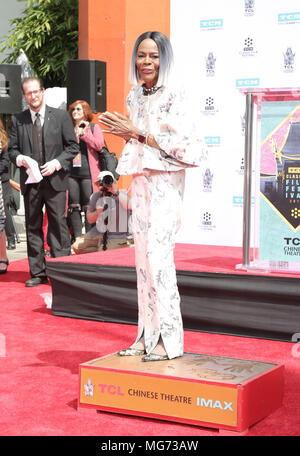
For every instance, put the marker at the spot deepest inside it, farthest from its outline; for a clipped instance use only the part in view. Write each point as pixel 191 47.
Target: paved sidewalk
pixel 20 251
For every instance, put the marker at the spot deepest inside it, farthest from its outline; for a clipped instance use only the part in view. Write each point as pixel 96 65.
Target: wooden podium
pixel 204 390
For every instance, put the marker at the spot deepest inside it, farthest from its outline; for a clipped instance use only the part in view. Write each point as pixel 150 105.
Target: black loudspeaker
pixel 86 80
pixel 10 89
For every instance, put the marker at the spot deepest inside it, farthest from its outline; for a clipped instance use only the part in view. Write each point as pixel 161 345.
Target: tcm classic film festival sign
pixel 280 180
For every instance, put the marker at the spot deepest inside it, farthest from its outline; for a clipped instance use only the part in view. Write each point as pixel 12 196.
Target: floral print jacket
pixel 164 114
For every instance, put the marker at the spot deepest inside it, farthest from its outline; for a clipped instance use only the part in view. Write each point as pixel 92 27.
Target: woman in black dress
pixel 3 161
pixel 85 169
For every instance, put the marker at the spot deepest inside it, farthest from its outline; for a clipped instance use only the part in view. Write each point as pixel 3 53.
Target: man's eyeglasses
pixel 33 93
pixel 76 109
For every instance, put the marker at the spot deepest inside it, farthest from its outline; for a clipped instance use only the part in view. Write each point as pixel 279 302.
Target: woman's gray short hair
pixel 165 57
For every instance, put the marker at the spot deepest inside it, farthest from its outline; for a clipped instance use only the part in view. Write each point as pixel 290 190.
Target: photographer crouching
pixel 110 211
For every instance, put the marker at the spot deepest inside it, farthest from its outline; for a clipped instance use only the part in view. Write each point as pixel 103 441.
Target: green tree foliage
pixel 48 34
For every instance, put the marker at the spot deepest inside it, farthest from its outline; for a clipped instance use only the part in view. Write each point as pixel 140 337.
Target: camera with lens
pixel 105 178
pixel 107 163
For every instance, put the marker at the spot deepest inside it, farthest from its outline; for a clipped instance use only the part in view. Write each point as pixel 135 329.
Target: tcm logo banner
pixel 213 140
pixel 238 201
pixel 289 18
pixel 247 82
pixel 211 24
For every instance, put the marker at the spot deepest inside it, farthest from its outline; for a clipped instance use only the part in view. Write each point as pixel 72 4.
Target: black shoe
pixel 11 245
pixel 35 281
pixel 3 271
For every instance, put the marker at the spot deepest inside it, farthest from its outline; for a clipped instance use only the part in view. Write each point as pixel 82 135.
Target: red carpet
pixel 188 257
pixel 40 354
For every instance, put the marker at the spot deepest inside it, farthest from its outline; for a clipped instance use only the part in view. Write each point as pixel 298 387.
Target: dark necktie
pixel 37 136
pixel 37 122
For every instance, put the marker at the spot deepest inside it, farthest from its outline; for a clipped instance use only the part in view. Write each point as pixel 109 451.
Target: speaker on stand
pixel 86 80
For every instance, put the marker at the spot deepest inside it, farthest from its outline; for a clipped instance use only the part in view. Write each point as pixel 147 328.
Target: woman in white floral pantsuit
pixel 156 204
pixel 160 144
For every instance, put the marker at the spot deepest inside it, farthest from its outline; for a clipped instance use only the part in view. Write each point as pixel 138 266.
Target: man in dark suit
pixel 47 136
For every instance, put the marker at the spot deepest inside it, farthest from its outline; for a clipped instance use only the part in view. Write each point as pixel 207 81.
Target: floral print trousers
pixel 156 214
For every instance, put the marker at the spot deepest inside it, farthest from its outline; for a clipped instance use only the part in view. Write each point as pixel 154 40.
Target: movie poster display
pixel 277 223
